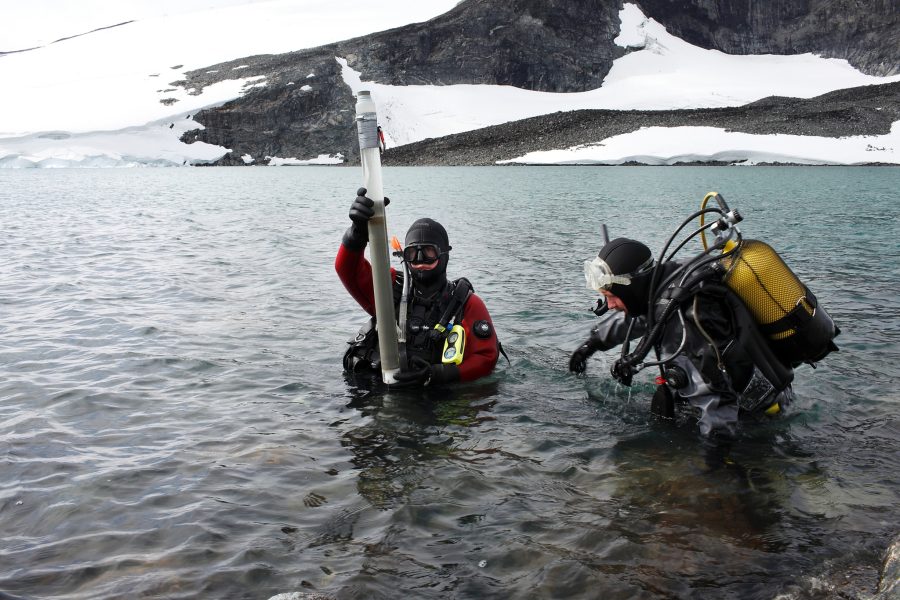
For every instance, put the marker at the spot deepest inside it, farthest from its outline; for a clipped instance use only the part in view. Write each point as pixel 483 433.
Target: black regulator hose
pixel 695 264
pixel 689 238
pixel 654 279
pixel 624 368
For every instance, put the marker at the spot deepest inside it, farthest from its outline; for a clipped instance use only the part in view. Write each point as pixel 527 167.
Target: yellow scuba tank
pixel 796 327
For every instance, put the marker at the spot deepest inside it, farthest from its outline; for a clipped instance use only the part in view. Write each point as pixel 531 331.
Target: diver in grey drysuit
pixel 707 352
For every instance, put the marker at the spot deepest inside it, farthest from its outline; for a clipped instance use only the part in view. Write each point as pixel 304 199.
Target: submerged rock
pixel 889 586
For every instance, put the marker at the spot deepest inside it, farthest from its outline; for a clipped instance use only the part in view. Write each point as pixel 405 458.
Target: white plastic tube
pixel 379 251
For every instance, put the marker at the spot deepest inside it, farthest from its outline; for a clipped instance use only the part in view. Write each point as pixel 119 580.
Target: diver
pixel 446 331
pixel 724 342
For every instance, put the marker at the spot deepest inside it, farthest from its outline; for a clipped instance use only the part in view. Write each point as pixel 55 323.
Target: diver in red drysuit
pixel 432 300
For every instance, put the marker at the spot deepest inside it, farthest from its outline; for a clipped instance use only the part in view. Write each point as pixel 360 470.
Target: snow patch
pixel 322 159
pixel 668 146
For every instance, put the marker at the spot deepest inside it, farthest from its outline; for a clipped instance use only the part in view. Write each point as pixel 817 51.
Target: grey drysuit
pixel 721 379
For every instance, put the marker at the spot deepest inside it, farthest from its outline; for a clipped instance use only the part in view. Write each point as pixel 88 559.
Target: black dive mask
pixel 421 254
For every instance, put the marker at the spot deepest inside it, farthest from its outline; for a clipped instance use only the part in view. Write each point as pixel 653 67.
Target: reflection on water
pixel 174 422
pixel 407 431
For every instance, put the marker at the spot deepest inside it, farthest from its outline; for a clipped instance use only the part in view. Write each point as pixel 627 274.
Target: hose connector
pixel 726 222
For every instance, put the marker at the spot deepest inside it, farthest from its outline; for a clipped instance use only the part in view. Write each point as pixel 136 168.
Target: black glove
pixel 623 372
pixel 578 361
pixel 357 236
pixel 596 341
pixel 423 373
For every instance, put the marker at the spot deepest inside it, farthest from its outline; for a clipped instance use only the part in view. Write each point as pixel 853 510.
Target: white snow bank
pixel 667 146
pixel 115 78
pixel 154 144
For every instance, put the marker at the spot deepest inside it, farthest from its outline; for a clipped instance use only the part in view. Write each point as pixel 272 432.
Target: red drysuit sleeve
pixel 480 354
pixel 355 273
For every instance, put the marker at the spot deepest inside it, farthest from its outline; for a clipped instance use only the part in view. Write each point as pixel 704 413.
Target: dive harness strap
pixel 751 338
pixel 459 295
pixel 453 314
pixel 462 289
pixel 795 319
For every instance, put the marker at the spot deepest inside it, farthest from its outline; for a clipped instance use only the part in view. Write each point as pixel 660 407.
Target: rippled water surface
pixel 174 422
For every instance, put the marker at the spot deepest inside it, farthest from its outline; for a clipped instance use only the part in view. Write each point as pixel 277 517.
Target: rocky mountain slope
pixel 858 111
pixel 543 45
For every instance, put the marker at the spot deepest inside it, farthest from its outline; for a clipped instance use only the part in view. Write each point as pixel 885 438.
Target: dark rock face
pixel 544 45
pixel 864 32
pixel 294 115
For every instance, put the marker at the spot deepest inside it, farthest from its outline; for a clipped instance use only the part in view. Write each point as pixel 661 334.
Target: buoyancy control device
pixel 795 327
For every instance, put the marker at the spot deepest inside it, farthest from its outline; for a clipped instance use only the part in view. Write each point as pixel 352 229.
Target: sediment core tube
pixel 379 251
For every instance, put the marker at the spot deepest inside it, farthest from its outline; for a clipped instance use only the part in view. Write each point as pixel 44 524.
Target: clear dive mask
pixel 599 275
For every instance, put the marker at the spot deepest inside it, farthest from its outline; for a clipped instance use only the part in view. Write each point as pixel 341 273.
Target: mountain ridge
pixel 541 45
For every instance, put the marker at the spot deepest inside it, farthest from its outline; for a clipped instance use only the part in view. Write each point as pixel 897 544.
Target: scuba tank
pixel 797 329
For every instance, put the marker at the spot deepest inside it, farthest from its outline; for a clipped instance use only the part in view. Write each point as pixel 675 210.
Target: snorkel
pixel 404 300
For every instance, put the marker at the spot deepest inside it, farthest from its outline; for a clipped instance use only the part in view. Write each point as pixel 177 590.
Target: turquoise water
pixel 175 424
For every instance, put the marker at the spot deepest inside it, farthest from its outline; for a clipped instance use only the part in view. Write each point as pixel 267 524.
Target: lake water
pixel 174 422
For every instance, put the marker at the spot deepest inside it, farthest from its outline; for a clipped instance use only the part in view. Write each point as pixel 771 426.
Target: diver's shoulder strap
pixel 752 340
pixel 397 288
pixel 462 287
pixel 462 290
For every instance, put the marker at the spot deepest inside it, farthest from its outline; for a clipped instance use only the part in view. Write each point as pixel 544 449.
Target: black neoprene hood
pixel 624 256
pixel 428 231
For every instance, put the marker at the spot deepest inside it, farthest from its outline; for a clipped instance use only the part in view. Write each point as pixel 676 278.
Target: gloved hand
pixel 361 209
pixel 418 376
pixel 578 360
pixel 357 236
pixel 596 341
pixel 622 372
pixel 422 373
